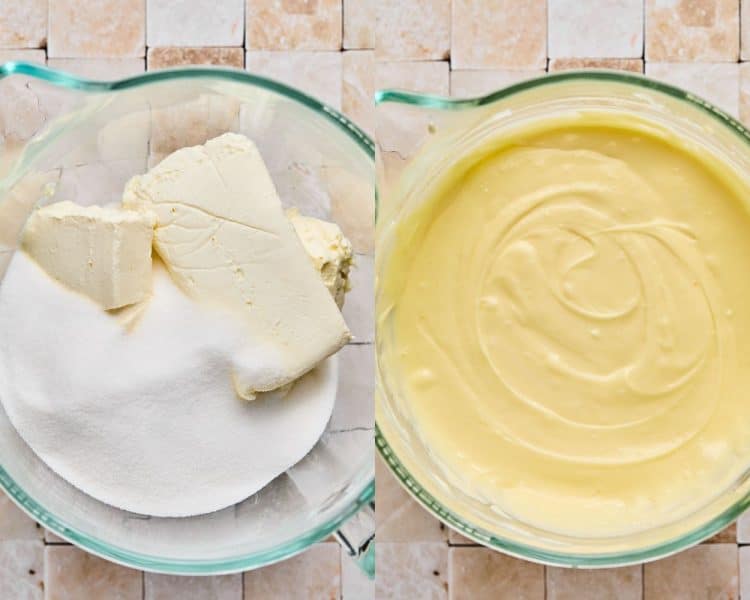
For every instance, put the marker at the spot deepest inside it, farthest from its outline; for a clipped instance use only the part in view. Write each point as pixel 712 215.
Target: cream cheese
pixel 101 252
pixel 224 238
pixel 328 249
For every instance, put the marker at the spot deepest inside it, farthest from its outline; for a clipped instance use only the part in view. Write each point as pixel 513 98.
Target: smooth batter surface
pixel 571 327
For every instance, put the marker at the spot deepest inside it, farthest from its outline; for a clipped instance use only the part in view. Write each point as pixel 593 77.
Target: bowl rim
pixel 409 482
pixel 365 488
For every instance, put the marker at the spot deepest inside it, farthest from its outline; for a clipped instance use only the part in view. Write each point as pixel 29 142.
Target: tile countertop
pixel 338 50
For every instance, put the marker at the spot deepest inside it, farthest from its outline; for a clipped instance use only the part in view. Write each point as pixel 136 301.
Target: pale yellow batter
pixel 571 326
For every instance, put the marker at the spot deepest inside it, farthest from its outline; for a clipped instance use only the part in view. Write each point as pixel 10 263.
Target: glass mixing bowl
pixel 65 138
pixel 419 139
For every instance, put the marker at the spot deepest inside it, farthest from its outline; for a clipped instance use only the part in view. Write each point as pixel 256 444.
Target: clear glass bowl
pixel 419 139
pixel 68 138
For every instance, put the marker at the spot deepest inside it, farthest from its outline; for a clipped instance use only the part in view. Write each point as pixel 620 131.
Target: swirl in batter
pixel 569 317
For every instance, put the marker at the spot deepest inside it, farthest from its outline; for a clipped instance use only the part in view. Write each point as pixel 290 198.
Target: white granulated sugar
pixel 147 421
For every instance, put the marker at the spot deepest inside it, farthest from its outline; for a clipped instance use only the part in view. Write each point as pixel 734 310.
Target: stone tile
pixel 195 22
pixel 704 571
pixel 586 28
pixel 406 571
pixel 352 205
pixel 456 539
pixel 705 30
pixel 72 574
pixel 192 123
pixel 164 58
pixel 399 518
pixel 359 24
pixel 398 129
pixel 23 24
pixel 359 307
pixel 358 88
pixel 744 30
pixel 356 389
pixel 498 34
pixel 728 535
pixel 355 585
pixel 415 30
pixel 293 25
pixel 467 84
pixel 425 77
pixel 21 114
pixel 716 82
pixel 98 28
pixel 745 118
pixel 744 560
pixel 51 538
pixel 15 524
pixel 633 65
pixel 743 526
pixel 316 73
pixel 483 574
pixel 104 69
pixel 22 570
pixel 316 573
pixel 169 587
pixel 625 583
pixel 32 56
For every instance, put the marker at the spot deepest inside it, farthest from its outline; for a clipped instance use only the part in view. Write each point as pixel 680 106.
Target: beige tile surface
pixel 359 308
pixel 716 82
pixel 744 30
pixel 415 30
pixel 633 65
pixel 14 524
pixel 499 34
pixel 728 535
pixel 193 122
pixel 21 114
pixel 173 587
pixel 358 88
pixel 692 30
pixel 23 23
pixel 744 521
pixel 457 539
pixel 483 574
pixel 97 28
pixel 705 571
pixel 22 570
pixel 586 28
pixel 401 130
pixel 317 73
pixel 359 24
pixel 355 585
pixel 72 574
pixel 625 583
pixel 411 571
pixel 399 517
pixel 195 22
pixel 352 206
pixel 316 573
pixel 744 561
pixel 100 68
pixel 25 55
pixel 469 83
pixel 293 24
pixel 164 58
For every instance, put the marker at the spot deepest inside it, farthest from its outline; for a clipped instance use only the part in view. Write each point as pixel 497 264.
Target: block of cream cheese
pixel 329 250
pixel 222 233
pixel 102 252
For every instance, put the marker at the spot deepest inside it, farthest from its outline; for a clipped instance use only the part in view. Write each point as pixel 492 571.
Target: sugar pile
pixel 147 421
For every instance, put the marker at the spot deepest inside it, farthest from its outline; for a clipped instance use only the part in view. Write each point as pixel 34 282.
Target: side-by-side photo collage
pixel 374 299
